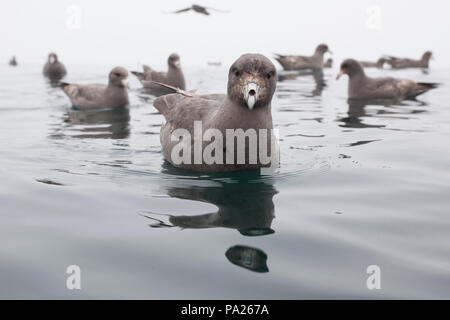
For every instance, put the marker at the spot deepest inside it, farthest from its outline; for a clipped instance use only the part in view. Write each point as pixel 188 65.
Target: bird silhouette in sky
pixel 199 9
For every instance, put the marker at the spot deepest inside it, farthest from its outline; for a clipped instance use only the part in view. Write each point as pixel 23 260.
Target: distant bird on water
pixel 13 61
pixel 328 63
pixel 292 62
pixel 174 75
pixel 379 64
pixel 361 86
pixel 199 9
pixel 54 69
pixel 403 63
pixel 100 96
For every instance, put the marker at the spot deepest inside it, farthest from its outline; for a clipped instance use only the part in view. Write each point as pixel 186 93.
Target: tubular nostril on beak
pixel 251 93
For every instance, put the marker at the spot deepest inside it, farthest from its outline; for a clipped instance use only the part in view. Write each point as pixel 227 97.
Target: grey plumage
pixel 13 61
pixel 361 86
pixel 328 63
pixel 100 96
pixel 174 75
pixel 222 111
pixel 292 62
pixel 378 64
pixel 403 63
pixel 54 69
pixel 199 9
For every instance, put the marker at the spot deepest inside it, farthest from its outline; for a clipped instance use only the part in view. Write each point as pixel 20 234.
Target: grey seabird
pixel 292 62
pixel 361 86
pixel 247 105
pixel 13 61
pixel 378 64
pixel 199 9
pixel 403 63
pixel 100 96
pixel 54 69
pixel 173 77
pixel 328 63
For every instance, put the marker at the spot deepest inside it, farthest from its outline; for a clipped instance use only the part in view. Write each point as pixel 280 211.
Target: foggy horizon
pixel 113 32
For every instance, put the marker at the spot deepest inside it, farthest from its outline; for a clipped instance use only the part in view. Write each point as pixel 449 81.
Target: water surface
pixel 359 185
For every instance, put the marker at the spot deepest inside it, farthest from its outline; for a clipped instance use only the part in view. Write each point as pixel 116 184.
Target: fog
pixel 125 32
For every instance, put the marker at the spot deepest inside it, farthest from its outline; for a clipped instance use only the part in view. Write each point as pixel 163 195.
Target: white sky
pixel 127 32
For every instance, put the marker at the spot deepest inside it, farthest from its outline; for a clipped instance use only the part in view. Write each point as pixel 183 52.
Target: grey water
pixel 358 185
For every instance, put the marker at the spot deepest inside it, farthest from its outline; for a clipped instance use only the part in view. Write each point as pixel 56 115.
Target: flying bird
pixel 199 9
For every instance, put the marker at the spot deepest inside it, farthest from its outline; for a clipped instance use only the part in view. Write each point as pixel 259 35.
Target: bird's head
pixel 119 77
pixel 174 61
pixel 252 81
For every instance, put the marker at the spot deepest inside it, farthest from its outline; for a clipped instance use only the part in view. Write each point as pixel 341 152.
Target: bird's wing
pixel 175 89
pixel 181 111
pixel 218 10
pixel 156 76
pixel 139 75
pixel 392 88
pixel 182 10
pixel 292 62
pixel 84 96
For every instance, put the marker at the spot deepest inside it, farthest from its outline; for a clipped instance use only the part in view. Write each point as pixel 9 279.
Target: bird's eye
pixel 117 74
pixel 269 75
pixel 237 73
pixel 345 66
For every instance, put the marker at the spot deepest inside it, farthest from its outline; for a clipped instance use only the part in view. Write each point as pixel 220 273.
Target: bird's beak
pixel 125 83
pixel 251 94
pixel 339 74
pixel 177 64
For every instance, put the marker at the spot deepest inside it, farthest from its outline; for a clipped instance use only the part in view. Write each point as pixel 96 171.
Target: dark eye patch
pixel 345 65
pixel 236 72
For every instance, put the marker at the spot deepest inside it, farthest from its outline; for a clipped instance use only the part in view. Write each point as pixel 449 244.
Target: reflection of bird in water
pixel 317 75
pixel 357 112
pixel 107 123
pixel 244 204
pixel 249 258
pixel 199 9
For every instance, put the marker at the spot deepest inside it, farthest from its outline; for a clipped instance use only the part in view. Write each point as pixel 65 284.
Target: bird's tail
pixel 147 68
pixel 139 75
pixel 429 85
pixel 423 87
